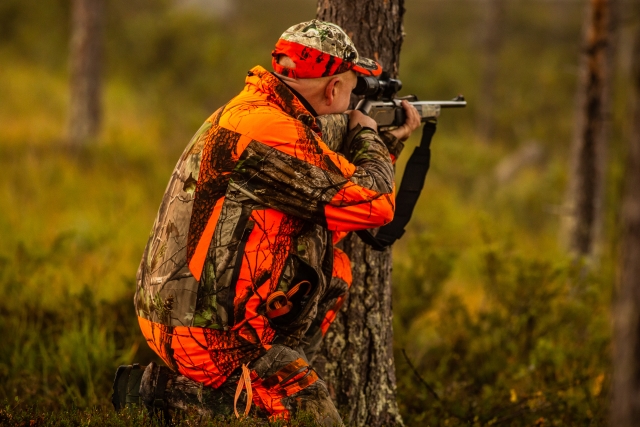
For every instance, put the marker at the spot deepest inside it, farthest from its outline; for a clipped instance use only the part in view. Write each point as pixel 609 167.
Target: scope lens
pixel 366 85
pixel 395 85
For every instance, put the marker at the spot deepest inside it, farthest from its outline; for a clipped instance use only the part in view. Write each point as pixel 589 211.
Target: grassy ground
pixel 16 416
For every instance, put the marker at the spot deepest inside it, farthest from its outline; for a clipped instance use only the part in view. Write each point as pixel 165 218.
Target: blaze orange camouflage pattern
pixel 241 256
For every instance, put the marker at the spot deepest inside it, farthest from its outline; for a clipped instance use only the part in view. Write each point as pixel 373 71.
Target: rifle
pixel 381 104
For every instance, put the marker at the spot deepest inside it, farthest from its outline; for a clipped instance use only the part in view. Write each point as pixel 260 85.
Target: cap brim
pixel 367 67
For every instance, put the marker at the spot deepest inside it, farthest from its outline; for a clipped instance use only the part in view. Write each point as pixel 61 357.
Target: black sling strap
pixel 412 182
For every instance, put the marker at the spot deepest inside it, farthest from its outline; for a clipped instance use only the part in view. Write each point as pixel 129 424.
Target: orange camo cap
pixel 320 49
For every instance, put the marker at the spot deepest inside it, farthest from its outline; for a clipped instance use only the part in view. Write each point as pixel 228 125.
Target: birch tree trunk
pixel 86 66
pixel 584 198
pixel 357 355
pixel 625 410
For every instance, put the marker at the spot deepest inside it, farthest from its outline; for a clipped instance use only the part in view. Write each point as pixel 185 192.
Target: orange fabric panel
pixel 209 356
pixel 266 251
pixel 341 266
pixel 338 235
pixel 269 403
pixel 157 336
pixel 204 355
pixel 197 260
pixel 241 145
pixel 192 358
pixel 270 126
pixel 265 124
pixel 268 393
pixel 341 270
pixel 357 208
pixel 275 128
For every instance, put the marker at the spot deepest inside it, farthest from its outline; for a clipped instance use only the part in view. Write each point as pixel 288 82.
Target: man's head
pixel 319 60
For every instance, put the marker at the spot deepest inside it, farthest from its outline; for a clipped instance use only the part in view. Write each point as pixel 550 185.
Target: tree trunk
pixel 86 65
pixel 584 199
pixel 625 411
pixel 491 45
pixel 357 355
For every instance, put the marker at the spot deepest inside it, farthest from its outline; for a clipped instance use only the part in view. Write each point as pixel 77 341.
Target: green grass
pixel 15 415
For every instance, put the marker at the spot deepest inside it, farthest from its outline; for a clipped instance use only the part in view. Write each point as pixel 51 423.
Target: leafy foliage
pixel 536 350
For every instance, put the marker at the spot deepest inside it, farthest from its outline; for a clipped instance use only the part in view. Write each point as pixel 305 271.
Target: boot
pixel 126 386
pixel 163 390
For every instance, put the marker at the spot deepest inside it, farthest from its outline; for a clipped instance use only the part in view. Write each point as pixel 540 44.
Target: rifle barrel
pixel 442 104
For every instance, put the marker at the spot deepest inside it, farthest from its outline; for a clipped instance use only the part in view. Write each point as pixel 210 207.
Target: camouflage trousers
pixel 279 384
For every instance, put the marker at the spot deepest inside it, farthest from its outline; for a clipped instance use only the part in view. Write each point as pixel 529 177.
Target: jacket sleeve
pixel 287 167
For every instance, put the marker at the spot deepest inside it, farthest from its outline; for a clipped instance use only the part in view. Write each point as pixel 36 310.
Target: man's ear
pixel 330 91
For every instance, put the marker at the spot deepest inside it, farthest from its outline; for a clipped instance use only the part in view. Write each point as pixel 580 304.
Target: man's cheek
pixel 345 103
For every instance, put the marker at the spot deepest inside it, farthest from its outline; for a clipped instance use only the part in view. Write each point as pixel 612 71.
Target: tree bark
pixel 85 68
pixel 491 45
pixel 357 355
pixel 584 198
pixel 625 410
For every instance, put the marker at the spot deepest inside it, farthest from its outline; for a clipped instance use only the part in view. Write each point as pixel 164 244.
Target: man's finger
pixel 412 116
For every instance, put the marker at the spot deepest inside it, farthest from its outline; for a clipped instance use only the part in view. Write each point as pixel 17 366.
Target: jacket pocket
pixel 302 291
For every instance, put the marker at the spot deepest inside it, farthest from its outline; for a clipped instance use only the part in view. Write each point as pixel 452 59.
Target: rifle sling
pixel 412 183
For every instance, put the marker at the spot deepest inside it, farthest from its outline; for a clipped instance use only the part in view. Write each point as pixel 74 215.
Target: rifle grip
pixel 400 117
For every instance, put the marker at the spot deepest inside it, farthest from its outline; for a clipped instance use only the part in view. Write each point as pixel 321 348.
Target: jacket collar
pixel 276 92
pixel 301 98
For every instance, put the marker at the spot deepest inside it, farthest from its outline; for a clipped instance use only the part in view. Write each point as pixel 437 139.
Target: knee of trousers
pixel 283 383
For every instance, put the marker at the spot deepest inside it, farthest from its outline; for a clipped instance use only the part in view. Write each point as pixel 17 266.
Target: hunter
pixel 240 278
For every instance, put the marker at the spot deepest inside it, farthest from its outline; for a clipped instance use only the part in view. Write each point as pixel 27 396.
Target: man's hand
pixel 411 122
pixel 358 118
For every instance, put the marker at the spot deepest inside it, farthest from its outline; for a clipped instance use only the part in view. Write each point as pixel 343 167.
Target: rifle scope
pixel 373 88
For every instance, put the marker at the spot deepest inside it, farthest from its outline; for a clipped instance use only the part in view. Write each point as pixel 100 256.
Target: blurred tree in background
pixel 626 387
pixel 85 59
pixel 585 192
pixel 492 26
pixel 498 324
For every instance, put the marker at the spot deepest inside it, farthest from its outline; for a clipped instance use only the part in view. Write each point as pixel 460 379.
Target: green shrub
pixel 536 350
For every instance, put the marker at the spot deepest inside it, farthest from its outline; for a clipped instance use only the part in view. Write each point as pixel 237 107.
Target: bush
pixel 534 352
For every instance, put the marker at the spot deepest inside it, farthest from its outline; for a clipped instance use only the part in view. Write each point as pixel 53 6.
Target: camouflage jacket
pixel 251 209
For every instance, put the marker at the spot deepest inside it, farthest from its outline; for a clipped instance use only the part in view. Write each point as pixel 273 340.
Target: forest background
pixel 502 325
